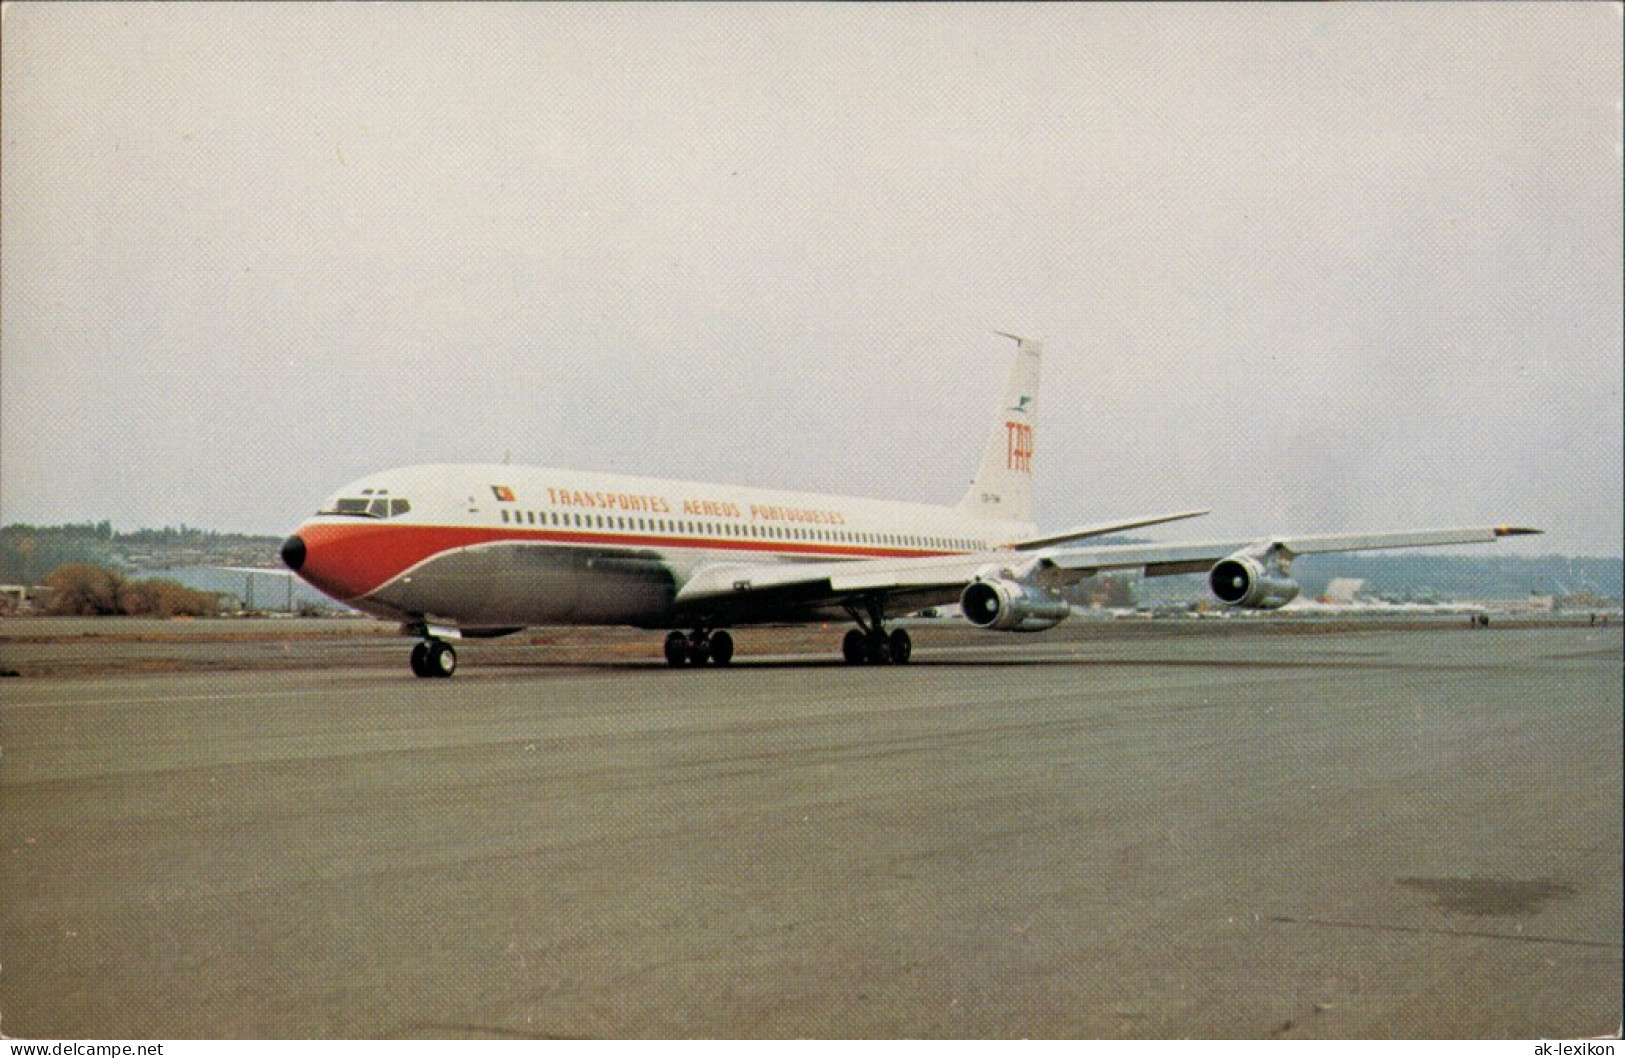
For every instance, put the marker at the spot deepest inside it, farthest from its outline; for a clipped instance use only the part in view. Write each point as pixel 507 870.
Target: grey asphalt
pixel 1226 832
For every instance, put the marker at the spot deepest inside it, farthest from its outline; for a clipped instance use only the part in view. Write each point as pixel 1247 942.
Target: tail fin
pixel 1003 487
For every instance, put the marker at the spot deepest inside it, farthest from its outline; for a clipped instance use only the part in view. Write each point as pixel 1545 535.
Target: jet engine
pixel 1010 606
pixel 1242 580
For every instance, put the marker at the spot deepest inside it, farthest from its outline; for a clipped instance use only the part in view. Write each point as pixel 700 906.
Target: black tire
pixel 722 648
pixel 852 647
pixel 902 647
pixel 441 660
pixel 876 648
pixel 420 661
pixel 676 649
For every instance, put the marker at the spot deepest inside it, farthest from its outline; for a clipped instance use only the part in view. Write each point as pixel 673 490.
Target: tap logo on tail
pixel 1018 446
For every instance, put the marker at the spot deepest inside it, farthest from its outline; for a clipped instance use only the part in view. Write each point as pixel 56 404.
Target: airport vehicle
pixel 485 550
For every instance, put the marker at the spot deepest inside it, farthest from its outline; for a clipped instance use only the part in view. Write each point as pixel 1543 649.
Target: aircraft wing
pixel 838 579
pixel 745 591
pixel 1165 559
pixel 1083 531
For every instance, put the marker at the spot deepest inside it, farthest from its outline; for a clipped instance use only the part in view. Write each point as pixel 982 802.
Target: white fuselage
pixel 493 546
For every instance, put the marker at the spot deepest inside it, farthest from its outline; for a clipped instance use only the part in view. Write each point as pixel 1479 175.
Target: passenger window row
pixel 675 527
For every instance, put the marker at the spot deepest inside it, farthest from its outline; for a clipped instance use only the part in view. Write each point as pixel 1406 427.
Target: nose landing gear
pixel 433 659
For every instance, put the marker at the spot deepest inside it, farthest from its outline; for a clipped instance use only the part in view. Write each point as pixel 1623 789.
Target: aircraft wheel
pixel 722 648
pixel 852 647
pixel 676 649
pixel 876 648
pixel 440 660
pixel 901 647
pixel 420 661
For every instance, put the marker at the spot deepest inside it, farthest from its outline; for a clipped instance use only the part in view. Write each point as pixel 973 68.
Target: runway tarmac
pixel 1228 831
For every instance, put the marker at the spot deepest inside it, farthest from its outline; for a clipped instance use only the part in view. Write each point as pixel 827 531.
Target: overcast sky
pixel 1320 268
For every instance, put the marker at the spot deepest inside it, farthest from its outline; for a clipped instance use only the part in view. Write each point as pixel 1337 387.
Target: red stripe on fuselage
pixel 348 560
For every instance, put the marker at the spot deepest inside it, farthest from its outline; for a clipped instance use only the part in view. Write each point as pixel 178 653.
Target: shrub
pixel 165 598
pixel 80 590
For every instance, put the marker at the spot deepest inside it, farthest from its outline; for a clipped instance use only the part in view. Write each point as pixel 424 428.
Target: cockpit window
pixel 371 504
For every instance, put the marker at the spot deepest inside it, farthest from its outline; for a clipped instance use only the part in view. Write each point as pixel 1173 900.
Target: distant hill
pixel 1463 576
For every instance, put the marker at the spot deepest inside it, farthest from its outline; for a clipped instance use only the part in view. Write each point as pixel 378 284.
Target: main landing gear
pixel 870 643
pixel 698 647
pixel 433 658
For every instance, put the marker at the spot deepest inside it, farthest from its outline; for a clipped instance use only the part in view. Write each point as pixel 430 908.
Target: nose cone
pixel 293 552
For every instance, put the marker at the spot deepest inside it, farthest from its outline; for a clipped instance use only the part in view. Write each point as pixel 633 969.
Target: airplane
pixel 457 551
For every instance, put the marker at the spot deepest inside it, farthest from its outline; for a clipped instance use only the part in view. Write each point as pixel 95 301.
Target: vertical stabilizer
pixel 1003 487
